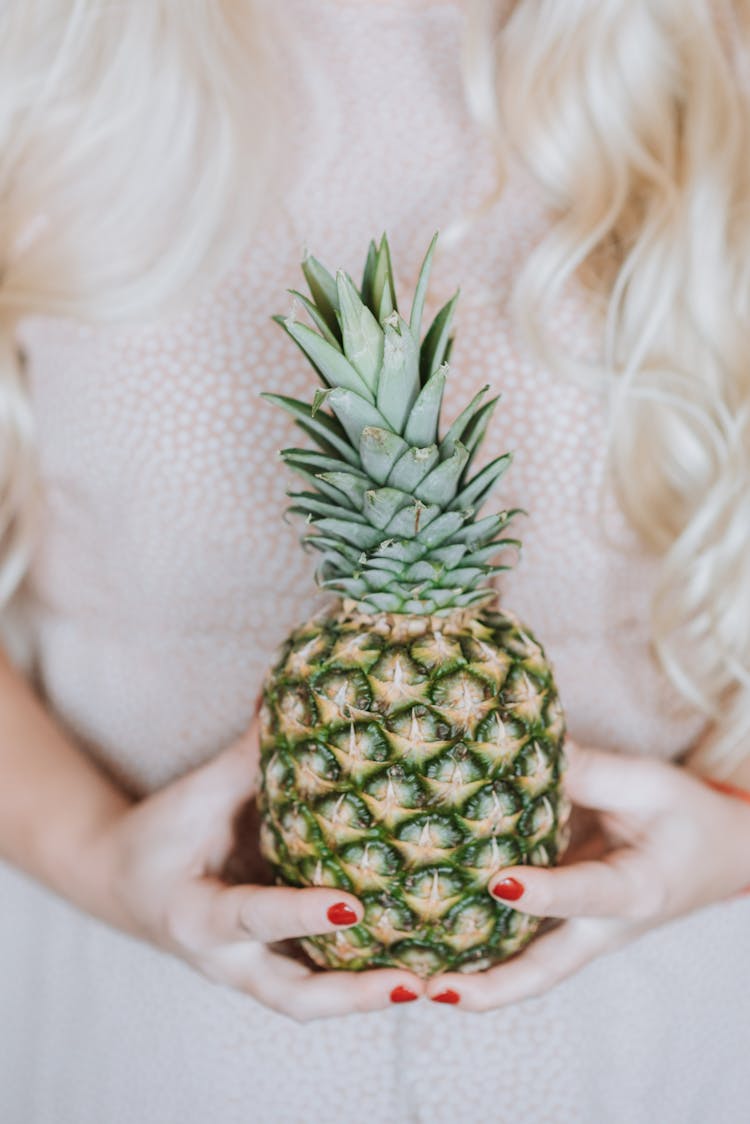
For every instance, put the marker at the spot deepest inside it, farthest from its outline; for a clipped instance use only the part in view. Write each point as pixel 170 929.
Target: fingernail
pixel 447 996
pixel 509 889
pixel 341 914
pixel 402 994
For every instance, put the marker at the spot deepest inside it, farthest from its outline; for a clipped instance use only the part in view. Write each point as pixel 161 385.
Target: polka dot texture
pixel 167 576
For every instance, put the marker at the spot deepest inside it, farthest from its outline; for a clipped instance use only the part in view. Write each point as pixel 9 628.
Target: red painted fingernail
pixel 447 996
pixel 509 889
pixel 341 914
pixel 402 995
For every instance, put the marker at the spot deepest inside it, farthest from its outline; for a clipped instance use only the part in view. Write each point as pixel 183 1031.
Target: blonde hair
pixel 123 188
pixel 631 115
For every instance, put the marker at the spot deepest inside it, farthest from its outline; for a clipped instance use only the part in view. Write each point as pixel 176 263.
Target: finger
pixel 278 913
pixel 545 963
pixel 612 887
pixel 288 987
pixel 614 782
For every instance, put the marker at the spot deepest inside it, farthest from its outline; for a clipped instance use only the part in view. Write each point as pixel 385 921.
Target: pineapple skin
pixel 405 759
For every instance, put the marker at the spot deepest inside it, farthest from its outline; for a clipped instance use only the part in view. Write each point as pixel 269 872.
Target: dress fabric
pixel 166 577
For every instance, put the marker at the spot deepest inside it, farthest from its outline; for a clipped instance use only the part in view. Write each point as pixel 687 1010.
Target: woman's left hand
pixel 676 845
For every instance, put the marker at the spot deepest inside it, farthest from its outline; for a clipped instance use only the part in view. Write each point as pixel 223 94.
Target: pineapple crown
pixel 393 507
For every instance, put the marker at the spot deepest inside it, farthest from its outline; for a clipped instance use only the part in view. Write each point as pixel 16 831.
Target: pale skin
pixel 669 845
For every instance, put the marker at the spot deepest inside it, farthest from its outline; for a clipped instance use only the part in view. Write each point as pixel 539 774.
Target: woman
pixel 162 165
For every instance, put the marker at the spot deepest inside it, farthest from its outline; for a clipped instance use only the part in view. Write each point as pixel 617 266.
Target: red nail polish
pixel 509 889
pixel 402 995
pixel 341 914
pixel 447 996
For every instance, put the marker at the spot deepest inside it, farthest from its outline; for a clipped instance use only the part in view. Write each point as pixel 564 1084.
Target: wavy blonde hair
pixel 631 114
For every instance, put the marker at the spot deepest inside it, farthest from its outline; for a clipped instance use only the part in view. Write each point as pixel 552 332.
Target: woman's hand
pixel 160 861
pixel 674 846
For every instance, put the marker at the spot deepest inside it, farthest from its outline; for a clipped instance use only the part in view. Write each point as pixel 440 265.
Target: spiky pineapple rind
pixel 408 781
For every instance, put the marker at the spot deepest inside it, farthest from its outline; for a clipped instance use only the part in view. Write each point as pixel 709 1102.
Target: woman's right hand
pixel 159 861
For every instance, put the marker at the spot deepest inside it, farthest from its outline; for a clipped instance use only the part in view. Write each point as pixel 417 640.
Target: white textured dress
pixel 166 577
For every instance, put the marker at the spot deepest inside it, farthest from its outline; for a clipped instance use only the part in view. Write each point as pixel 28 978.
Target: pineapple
pixel 411 734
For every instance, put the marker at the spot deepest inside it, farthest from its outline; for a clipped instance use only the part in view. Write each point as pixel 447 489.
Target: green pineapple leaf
pixel 348 498
pixel 439 486
pixel 417 307
pixel 458 429
pixel 383 288
pixel 334 368
pixel 316 462
pixel 323 291
pixel 379 449
pixel 362 334
pixel 398 385
pixel 354 413
pixel 368 277
pixel 479 487
pixel 412 467
pixel 479 533
pixel 381 504
pixel 435 343
pixel 340 553
pixel 316 317
pixel 353 486
pixel 422 426
pixel 407 522
pixel 477 427
pixel 314 503
pixel 360 535
pixel 322 428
